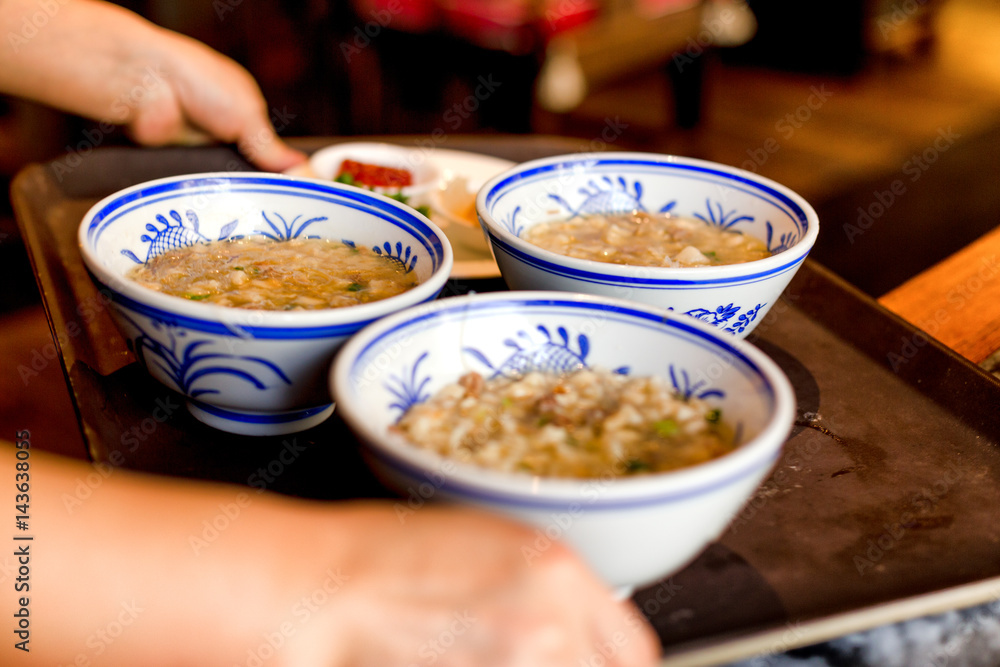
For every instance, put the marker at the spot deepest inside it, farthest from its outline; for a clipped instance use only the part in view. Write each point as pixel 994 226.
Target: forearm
pixel 131 569
pixel 101 61
pixel 128 569
pixel 77 55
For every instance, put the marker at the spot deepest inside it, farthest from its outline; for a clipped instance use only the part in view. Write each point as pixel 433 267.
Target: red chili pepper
pixel 374 175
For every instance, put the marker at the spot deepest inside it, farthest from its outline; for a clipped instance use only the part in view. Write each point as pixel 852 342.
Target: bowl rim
pixel 639 275
pixel 214 318
pixel 539 492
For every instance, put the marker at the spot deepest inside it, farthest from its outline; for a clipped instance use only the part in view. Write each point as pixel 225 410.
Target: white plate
pixel 325 163
pixel 473 258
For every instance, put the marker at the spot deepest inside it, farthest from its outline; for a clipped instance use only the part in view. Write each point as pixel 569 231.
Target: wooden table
pixel 957 301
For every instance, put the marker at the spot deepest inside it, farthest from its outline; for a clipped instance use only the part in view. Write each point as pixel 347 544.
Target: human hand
pixel 209 574
pixel 452 587
pixel 98 60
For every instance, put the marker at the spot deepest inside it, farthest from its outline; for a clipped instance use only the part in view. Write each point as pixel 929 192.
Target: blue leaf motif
pixel 784 242
pixel 227 229
pixel 405 256
pixel 716 216
pixel 168 348
pixel 685 389
pixel 511 225
pixel 745 320
pixel 289 229
pixel 408 388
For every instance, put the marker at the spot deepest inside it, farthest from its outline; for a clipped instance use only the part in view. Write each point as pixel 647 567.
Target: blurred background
pixel 836 100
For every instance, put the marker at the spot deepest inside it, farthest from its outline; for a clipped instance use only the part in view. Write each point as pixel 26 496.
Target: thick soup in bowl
pixel 259 273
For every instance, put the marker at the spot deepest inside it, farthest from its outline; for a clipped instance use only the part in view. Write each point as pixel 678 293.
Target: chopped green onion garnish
pixel 665 428
pixel 713 416
pixel 635 465
pixel 355 287
pixel 197 297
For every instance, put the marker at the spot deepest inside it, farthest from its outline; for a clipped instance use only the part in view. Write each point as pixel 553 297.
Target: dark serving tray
pixel 883 507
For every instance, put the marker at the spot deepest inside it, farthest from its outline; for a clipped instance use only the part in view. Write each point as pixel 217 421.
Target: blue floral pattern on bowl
pixel 409 388
pixel 287 230
pixel 179 356
pixel 552 354
pixel 615 195
pixel 174 234
pixel 549 355
pixel 721 316
pixel 404 256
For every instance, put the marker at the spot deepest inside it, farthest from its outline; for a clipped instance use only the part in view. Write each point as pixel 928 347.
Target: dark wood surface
pixel 886 491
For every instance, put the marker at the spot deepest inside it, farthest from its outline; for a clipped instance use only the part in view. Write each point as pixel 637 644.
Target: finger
pixel 628 640
pixel 262 146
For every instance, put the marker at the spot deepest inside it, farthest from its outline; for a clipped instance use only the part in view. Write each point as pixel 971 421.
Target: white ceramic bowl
pixel 632 530
pixel 325 164
pixel 248 371
pixel 733 298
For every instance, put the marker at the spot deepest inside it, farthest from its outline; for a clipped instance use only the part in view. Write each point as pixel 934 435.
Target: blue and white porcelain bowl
pixel 733 298
pixel 253 372
pixel 631 530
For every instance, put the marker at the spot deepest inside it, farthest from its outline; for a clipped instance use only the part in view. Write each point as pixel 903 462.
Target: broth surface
pixel 262 274
pixel 587 423
pixel 645 239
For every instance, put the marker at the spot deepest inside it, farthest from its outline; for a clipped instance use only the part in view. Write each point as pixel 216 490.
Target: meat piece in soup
pixel 261 274
pixel 645 239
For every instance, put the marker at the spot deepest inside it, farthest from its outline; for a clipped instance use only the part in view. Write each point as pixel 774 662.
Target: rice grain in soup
pixel 262 274
pixel 584 424
pixel 646 239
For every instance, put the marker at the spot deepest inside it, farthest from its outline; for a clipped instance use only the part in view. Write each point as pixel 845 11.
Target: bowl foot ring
pixel 260 423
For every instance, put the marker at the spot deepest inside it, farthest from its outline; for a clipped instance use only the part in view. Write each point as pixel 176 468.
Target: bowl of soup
pixel 236 289
pixel 632 433
pixel 700 238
